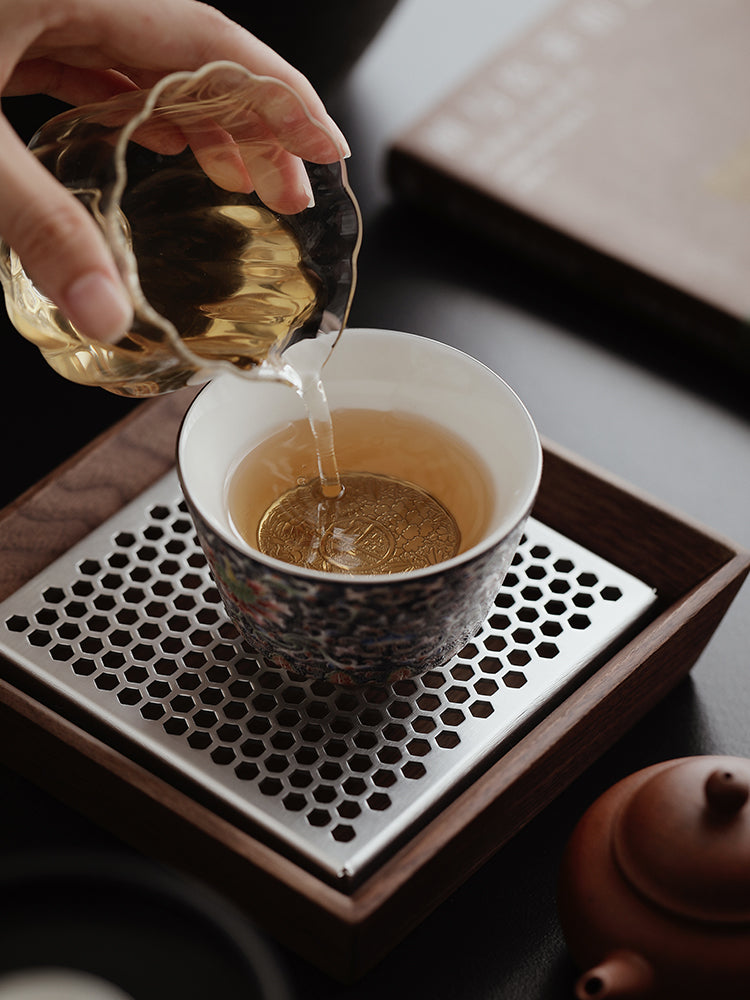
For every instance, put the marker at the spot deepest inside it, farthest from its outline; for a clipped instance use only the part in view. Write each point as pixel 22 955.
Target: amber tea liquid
pixel 411 494
pixel 230 278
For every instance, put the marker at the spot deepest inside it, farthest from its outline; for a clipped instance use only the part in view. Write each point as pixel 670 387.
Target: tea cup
pixel 362 628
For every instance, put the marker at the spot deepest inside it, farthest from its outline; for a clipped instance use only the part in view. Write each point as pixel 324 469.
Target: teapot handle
pixel 621 974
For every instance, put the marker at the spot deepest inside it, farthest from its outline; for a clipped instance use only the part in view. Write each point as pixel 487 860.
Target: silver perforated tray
pixel 128 627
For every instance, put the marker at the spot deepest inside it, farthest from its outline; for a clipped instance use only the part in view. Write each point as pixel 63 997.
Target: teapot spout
pixel 621 974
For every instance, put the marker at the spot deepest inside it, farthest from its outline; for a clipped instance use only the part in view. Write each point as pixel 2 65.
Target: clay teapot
pixel 654 893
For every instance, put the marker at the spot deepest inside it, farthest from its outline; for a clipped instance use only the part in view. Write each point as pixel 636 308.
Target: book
pixel 609 142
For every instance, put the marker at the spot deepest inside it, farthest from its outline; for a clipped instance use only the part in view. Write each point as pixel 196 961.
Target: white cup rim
pixel 503 530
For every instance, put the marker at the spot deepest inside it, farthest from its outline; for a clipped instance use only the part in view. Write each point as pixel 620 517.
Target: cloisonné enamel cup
pixel 375 628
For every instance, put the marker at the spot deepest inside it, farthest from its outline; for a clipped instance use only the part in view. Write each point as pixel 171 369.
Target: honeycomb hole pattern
pixel 143 624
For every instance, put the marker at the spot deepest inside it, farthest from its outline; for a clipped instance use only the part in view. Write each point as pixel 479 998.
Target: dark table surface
pixel 596 381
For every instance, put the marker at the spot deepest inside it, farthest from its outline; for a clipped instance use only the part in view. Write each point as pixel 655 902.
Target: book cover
pixel 610 142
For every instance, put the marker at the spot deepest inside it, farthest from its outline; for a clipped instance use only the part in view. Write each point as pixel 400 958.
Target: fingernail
pixel 307 188
pixel 338 137
pixel 98 307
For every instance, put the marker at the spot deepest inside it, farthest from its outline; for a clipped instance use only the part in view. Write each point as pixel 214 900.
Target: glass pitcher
pixel 219 278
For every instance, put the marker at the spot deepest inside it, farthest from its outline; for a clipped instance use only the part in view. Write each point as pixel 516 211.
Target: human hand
pixel 82 51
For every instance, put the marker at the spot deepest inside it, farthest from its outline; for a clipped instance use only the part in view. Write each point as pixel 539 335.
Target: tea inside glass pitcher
pixel 220 277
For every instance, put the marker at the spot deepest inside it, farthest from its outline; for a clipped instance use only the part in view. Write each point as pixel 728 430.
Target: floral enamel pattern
pixel 355 632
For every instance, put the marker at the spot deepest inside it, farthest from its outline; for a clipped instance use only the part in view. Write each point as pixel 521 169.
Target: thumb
pixel 60 246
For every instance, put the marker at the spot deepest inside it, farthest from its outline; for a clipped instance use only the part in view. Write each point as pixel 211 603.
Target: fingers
pixel 207 36
pixel 62 251
pixel 279 178
pixel 66 83
pixel 140 38
pixel 218 154
pixel 287 116
pixel 246 156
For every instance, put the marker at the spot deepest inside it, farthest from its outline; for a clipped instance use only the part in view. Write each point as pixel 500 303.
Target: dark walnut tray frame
pixel 695 573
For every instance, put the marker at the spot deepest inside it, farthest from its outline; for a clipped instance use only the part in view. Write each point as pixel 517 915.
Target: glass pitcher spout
pixel 232 246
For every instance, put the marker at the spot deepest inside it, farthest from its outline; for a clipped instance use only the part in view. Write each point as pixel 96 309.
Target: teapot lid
pixel 683 838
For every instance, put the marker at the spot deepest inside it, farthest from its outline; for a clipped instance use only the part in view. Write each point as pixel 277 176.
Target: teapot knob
pixel 726 792
pixel 623 974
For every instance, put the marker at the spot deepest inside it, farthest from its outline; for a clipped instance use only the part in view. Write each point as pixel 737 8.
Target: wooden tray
pixel 695 573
